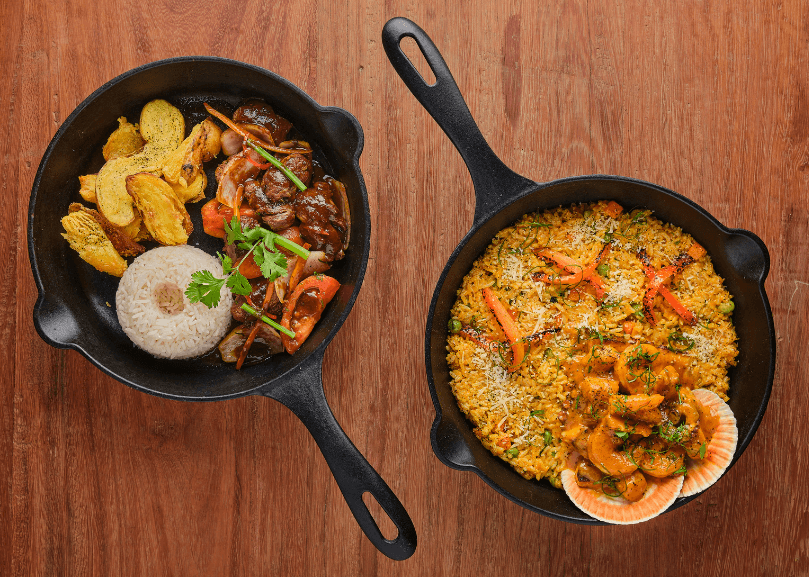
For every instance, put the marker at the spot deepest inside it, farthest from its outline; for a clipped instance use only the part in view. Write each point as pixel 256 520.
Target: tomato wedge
pixel 214 215
pixel 304 307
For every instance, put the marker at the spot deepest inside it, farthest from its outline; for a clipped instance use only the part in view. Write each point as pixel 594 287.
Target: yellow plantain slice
pixel 193 192
pixel 163 127
pixel 87 187
pixel 87 238
pixel 182 166
pixel 163 214
pixel 124 141
pixel 213 140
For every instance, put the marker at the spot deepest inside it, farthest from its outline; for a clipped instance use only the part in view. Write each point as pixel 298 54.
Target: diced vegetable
pixel 696 251
pixel 613 209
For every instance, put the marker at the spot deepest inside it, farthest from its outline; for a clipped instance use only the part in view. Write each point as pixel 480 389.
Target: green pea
pixel 454 325
pixel 603 270
pixel 727 308
pixel 587 213
pixel 512 452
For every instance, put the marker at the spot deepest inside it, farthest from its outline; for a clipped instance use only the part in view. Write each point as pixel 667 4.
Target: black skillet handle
pixel 303 395
pixel 494 182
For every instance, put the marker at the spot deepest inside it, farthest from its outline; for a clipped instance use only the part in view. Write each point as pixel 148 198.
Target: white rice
pixel 191 332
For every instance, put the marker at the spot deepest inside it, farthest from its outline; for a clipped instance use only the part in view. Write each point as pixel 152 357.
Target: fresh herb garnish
pixel 262 244
pixel 248 309
pixel 680 343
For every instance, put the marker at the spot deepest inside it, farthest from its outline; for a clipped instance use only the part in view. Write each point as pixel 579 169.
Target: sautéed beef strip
pixel 257 296
pixel 277 215
pixel 322 225
pixel 261 113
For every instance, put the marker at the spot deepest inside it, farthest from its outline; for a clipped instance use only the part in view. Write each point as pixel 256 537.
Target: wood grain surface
pixel 710 99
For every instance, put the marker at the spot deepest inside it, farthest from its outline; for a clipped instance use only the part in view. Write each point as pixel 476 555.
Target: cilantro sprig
pixel 262 244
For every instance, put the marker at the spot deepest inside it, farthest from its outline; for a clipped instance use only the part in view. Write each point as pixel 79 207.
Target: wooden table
pixel 709 99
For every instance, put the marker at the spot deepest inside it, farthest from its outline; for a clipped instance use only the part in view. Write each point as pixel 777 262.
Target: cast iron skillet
pixel 72 310
pixel 502 198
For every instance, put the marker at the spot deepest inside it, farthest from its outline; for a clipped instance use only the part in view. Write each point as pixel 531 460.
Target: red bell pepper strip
pixel 656 280
pixel 510 328
pixel 301 321
pixel 578 272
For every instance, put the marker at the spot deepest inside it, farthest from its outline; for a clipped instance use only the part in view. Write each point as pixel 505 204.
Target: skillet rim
pixel 321 112
pixel 496 209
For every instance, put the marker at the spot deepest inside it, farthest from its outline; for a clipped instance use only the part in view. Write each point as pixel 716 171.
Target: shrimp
pixel 602 450
pixel 634 368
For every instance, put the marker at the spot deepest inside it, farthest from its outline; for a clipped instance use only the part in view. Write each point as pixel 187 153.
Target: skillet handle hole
pixel 386 526
pixel 411 49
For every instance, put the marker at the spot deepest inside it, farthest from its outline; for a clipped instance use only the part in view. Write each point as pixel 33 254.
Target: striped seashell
pixel 660 494
pixel 702 474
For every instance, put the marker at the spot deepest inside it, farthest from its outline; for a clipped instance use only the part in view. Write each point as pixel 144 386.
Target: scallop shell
pixel 702 474
pixel 659 496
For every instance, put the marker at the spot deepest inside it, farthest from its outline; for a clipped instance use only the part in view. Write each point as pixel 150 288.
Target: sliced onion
pixel 340 199
pixel 315 263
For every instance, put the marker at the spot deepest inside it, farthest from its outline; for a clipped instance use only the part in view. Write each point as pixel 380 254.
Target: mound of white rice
pixel 154 311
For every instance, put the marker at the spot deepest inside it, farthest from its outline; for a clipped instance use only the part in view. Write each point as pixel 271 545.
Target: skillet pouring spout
pixel 502 198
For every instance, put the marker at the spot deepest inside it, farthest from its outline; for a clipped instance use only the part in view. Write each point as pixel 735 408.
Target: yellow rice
pixel 519 416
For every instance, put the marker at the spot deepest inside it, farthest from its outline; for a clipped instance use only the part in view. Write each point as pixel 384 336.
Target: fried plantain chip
pixel 124 141
pixel 163 214
pixel 87 238
pixel 162 126
pixel 121 241
pixel 87 187
pixel 194 192
pixel 183 165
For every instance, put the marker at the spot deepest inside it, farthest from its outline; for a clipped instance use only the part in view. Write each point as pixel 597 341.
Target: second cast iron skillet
pixel 502 197
pixel 75 307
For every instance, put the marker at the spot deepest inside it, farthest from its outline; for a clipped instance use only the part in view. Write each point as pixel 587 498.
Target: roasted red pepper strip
pixel 656 280
pixel 301 320
pixel 578 272
pixel 509 328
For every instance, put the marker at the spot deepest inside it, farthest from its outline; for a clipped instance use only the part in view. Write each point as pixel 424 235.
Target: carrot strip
pixel 578 272
pixel 509 327
pixel 656 280
pixel 675 303
pixel 297 272
pixel 252 336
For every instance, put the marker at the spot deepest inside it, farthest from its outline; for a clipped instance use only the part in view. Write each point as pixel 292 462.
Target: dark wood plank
pixel 708 99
